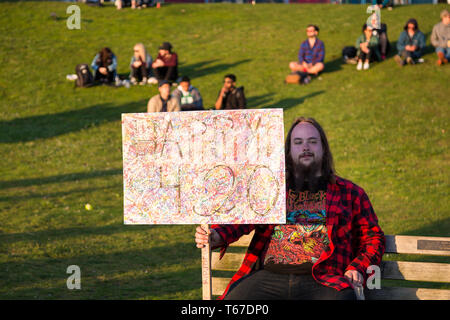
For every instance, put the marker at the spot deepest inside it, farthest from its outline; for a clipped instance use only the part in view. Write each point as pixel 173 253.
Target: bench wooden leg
pixel 206 269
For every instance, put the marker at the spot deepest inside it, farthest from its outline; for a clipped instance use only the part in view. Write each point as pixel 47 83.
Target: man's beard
pixel 306 177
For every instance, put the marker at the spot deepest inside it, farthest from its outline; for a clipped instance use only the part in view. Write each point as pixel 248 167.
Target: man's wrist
pixel 216 239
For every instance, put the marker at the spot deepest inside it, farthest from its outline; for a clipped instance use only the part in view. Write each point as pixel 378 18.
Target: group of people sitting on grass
pixel 143 69
pixel 164 72
pixel 188 98
pixel 372 45
pixel 134 4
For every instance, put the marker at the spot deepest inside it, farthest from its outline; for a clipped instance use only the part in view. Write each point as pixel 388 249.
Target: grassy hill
pixel 61 147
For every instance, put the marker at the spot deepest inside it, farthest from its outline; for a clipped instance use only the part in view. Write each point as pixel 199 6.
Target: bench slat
pixel 219 285
pixel 229 262
pixel 243 241
pixel 418 245
pixel 416 271
pixel 393 293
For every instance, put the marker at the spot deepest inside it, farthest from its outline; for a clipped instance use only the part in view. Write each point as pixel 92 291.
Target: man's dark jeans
pixel 266 285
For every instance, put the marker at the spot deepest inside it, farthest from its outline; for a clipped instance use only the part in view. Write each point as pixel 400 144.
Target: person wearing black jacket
pixel 231 97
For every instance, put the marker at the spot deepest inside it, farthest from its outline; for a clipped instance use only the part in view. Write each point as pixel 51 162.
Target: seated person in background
pixel 383 4
pixel 440 38
pixel 384 45
pixel 188 96
pixel 379 29
pixel 310 56
pixel 367 46
pixel 140 65
pixel 165 66
pixel 164 101
pixel 133 3
pixel 231 97
pixel 410 44
pixel 104 66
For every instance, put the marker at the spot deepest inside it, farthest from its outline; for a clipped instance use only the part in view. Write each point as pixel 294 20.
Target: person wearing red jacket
pixel 330 239
pixel 165 66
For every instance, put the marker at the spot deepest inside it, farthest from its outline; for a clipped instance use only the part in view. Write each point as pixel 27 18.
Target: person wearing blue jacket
pixel 104 66
pixel 410 44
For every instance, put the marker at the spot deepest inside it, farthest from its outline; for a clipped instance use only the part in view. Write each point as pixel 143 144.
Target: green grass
pixel 61 147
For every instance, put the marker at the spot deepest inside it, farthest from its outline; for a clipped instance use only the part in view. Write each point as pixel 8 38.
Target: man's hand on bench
pixel 356 279
pixel 202 238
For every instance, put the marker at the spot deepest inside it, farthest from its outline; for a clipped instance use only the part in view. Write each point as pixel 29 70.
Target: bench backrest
pixel 392 270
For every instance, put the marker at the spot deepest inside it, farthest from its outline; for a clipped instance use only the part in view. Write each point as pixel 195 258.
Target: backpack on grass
pixel 349 55
pixel 84 76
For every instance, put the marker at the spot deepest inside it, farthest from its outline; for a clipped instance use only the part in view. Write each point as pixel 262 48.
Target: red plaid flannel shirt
pixel 356 240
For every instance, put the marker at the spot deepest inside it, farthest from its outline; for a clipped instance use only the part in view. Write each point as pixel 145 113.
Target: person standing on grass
pixel 164 101
pixel 310 56
pixel 165 66
pixel 367 45
pixel 229 96
pixel 410 44
pixel 104 66
pixel 440 38
pixel 140 65
pixel 330 239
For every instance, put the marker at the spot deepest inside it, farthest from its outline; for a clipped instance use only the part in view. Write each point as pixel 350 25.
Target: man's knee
pixel 318 67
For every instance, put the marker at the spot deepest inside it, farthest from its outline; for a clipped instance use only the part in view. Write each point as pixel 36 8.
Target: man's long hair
pixel 327 169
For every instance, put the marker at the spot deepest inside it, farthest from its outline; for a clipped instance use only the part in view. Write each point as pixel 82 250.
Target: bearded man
pixel 330 239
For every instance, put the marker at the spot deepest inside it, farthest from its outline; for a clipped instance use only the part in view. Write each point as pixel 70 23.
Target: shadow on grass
pixel 333 65
pixel 257 101
pixel 59 234
pixel 201 69
pixel 440 228
pixel 288 103
pixel 127 274
pixel 57 195
pixel 55 124
pixel 59 178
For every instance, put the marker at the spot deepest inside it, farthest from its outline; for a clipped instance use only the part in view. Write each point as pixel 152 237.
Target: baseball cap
pixel 165 46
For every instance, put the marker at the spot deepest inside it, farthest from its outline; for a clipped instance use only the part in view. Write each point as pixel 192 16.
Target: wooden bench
pixel 390 270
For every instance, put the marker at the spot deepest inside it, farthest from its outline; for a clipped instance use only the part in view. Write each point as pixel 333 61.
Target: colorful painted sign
pixel 224 167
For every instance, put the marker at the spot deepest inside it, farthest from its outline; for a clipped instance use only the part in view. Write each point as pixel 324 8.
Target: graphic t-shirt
pixel 297 245
pixel 186 97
